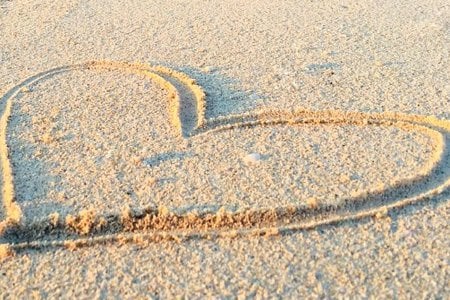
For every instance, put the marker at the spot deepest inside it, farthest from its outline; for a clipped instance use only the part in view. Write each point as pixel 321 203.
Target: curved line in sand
pixel 163 76
pixel 163 224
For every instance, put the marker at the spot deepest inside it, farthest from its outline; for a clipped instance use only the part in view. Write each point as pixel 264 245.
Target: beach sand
pixel 284 148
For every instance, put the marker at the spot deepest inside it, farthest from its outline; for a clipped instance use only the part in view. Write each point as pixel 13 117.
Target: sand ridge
pixel 161 223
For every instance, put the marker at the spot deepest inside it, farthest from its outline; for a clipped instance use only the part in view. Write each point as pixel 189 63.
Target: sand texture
pixel 274 148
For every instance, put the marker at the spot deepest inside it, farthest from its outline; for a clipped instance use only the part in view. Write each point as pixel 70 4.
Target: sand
pixel 128 176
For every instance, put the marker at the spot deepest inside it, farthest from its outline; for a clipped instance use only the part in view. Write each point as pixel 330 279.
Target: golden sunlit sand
pixel 119 162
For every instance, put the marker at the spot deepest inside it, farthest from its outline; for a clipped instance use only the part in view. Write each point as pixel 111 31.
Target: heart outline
pixel 431 126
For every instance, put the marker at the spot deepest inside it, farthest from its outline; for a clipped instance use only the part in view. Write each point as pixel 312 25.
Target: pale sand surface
pixel 102 140
pixel 395 257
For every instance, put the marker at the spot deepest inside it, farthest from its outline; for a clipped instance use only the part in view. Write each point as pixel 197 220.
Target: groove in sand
pixel 187 105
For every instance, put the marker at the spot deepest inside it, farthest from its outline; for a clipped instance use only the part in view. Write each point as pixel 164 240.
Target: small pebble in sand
pixel 5 251
pixel 151 181
pixel 25 89
pixel 312 203
pixel 252 158
pixel 136 160
pixel 208 69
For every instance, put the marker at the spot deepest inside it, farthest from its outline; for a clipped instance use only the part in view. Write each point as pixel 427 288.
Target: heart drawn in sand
pixel 187 107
